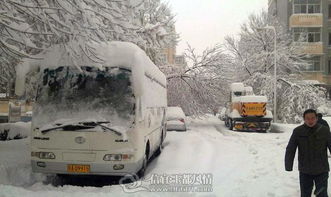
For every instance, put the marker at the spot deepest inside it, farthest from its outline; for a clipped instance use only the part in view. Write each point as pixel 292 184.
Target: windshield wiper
pixel 99 123
pixel 82 125
pixel 68 127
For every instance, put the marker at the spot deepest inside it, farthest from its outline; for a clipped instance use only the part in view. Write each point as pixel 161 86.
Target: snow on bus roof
pixel 108 54
pixel 118 53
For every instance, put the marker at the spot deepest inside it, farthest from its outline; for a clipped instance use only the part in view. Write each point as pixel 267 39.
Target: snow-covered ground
pixel 242 165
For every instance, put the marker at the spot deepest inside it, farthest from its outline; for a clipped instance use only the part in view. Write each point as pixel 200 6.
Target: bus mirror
pixel 22 71
pixel 138 77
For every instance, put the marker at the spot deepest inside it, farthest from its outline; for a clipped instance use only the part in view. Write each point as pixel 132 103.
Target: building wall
pixel 169 54
pixel 320 50
pixel 282 9
pixel 325 35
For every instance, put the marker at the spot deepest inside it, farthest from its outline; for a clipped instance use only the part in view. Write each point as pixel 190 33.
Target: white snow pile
pixel 175 113
pixel 15 168
pixel 18 130
pixel 281 128
pixel 324 109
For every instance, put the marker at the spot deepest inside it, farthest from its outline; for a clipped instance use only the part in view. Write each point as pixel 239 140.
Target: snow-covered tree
pixel 27 27
pixel 293 96
pixel 253 59
pixel 157 28
pixel 253 52
pixel 296 98
pixel 199 88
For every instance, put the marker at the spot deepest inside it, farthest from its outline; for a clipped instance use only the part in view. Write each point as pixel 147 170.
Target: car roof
pixel 175 112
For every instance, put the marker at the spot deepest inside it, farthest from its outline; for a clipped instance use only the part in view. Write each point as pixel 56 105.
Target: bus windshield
pixel 66 93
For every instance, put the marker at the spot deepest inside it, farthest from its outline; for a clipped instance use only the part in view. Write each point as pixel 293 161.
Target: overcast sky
pixel 203 23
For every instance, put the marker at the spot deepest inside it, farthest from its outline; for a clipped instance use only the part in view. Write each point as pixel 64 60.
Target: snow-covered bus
pixel 101 116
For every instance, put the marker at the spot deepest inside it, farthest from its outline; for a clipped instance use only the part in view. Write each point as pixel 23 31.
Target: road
pixel 241 164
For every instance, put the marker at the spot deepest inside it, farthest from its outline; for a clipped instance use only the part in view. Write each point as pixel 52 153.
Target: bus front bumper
pixel 108 169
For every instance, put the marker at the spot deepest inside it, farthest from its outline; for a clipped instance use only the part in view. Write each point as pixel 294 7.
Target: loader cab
pixel 238 93
pixel 237 90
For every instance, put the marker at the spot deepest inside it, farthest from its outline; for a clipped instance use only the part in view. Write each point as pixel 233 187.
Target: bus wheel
pixel 160 148
pixel 141 172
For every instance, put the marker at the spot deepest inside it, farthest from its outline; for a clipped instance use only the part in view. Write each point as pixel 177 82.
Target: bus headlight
pixel 43 155
pixel 112 157
pixel 117 157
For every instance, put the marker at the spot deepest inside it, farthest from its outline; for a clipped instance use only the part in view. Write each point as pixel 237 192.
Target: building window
pixel 163 58
pixel 330 39
pixel 314 64
pixel 306 6
pixel 300 9
pixel 179 59
pixel 329 11
pixel 329 67
pixel 307 34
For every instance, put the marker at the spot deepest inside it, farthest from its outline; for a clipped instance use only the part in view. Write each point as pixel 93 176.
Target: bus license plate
pixel 78 168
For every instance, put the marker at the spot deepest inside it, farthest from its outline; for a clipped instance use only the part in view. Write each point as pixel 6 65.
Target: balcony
pixel 306 20
pixel 311 48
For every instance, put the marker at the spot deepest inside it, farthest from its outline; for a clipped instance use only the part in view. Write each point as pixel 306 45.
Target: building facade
pixel 168 56
pixel 310 20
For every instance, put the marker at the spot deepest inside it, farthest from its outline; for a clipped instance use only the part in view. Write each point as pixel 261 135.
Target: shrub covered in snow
pixel 293 98
pixel 18 130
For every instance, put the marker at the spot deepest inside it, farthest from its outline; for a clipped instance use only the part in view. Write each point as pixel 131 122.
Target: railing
pixel 306 20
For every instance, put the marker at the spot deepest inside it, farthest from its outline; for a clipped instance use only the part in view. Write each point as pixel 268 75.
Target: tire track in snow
pixel 265 174
pixel 185 152
pixel 226 164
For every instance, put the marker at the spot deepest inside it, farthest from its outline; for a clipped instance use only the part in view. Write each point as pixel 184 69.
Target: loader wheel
pixel 230 124
pixel 226 122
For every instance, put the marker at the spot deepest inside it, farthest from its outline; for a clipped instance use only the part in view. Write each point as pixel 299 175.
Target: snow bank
pixel 15 168
pixel 328 119
pixel 324 109
pixel 18 130
pixel 281 128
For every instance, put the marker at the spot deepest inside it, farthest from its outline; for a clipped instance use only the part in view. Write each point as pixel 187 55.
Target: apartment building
pixel 311 18
pixel 168 56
